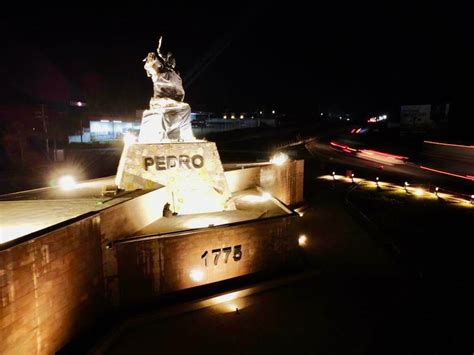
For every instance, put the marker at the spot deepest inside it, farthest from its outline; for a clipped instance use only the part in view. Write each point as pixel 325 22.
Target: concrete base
pixel 191 172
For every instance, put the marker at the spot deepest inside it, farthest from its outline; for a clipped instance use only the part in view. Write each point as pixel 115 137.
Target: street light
pixel 472 199
pixel 352 178
pixel 436 191
pixel 334 176
pixel 406 187
pixel 377 182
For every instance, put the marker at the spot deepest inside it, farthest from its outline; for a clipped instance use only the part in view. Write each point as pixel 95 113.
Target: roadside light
pixel 273 111
pixel 334 175
pixel 67 182
pixel 377 182
pixel 302 240
pixel 406 187
pixel 472 199
pixel 225 117
pixel 352 178
pixel 241 117
pixel 279 158
pixel 436 191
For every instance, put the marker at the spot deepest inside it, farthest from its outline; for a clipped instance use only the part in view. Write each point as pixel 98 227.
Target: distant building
pixel 423 117
pixel 105 130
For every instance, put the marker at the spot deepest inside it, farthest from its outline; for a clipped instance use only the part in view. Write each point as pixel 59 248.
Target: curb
pixel 175 310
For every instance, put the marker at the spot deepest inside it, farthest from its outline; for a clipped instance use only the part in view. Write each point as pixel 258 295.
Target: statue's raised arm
pixel 167 104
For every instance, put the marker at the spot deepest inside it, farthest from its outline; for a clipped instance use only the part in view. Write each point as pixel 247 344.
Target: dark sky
pixel 239 54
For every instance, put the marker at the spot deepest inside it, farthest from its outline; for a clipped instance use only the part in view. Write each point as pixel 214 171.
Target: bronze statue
pixel 169 117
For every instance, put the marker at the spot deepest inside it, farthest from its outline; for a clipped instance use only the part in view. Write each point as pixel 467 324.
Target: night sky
pixel 239 55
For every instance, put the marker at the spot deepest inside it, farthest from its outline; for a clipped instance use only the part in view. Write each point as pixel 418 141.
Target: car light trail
pixel 450 144
pixel 466 177
pixel 385 155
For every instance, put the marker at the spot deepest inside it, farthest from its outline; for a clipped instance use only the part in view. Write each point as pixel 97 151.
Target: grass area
pixel 433 232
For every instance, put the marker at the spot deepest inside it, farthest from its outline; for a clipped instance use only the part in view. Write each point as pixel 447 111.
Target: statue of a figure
pixel 169 117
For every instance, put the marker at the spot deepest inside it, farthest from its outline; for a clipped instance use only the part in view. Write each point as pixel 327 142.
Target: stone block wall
pixel 153 267
pixel 50 289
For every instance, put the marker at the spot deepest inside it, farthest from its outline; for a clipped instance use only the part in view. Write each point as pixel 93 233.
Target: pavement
pixel 251 204
pixel 25 212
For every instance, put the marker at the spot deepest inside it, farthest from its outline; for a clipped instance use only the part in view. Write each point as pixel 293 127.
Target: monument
pixel 167 153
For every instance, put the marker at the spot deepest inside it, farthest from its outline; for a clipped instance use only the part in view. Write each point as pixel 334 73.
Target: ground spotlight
pixel 196 275
pixel 302 240
pixel 67 182
pixel 279 158
pixel 419 192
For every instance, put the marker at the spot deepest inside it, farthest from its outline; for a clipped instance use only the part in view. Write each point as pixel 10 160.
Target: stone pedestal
pixel 191 172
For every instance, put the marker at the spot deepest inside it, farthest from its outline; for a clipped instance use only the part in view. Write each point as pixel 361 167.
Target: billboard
pixel 416 116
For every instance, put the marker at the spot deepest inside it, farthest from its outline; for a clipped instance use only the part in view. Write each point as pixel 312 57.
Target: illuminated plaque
pixel 191 172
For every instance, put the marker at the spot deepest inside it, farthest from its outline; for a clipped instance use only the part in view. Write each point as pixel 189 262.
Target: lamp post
pixel 472 199
pixel 377 182
pixel 436 191
pixel 406 187
pixel 352 178
pixel 334 176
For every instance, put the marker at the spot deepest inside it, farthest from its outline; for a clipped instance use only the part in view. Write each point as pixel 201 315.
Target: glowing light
pixel 104 121
pixel 419 192
pixel 233 117
pixel 273 111
pixel 129 138
pixel 225 117
pixel 196 275
pixel 226 298
pixel 264 197
pixel 279 159
pixel 302 240
pixel 241 117
pixel 233 307
pixel 67 182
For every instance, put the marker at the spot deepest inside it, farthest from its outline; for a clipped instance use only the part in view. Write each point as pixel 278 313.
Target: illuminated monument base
pixel 191 172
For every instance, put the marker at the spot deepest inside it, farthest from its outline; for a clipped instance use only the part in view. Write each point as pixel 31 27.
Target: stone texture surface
pixel 56 285
pixel 150 268
pixel 191 171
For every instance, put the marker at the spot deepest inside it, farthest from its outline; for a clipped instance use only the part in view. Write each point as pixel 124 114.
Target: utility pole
pixel 41 115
